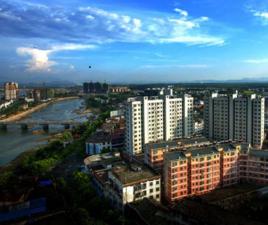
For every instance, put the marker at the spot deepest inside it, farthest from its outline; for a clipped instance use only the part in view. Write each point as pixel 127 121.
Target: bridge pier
pixel 66 126
pixel 24 127
pixel 45 127
pixel 3 127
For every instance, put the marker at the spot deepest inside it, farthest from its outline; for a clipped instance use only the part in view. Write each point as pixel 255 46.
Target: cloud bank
pixel 39 58
pixel 96 25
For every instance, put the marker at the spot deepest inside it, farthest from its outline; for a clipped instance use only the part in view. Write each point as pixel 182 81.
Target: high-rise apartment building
pixel 235 117
pixel 152 119
pixel 11 90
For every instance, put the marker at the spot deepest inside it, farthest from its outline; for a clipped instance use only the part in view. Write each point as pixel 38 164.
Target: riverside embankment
pixel 23 114
pixel 14 142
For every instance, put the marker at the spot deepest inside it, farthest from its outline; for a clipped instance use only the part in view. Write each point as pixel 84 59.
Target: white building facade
pixel 235 117
pixel 124 193
pixel 151 119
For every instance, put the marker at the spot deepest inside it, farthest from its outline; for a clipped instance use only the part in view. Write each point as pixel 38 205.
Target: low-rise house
pixel 125 183
pixel 98 142
pixel 103 140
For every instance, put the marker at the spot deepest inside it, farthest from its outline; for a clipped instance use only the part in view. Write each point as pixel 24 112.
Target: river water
pixel 13 142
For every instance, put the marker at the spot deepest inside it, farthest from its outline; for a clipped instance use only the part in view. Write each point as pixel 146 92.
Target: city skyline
pixel 139 42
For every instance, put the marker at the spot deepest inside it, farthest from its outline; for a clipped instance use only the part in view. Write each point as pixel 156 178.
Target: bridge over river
pixel 24 125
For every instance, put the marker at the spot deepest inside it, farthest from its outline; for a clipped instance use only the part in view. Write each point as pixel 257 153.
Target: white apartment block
pixel 188 110
pixel 235 117
pixel 152 119
pixel 129 184
pixel 11 91
pixel 134 131
pixel 173 117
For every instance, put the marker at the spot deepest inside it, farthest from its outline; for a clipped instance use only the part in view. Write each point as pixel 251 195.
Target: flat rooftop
pixel 179 142
pixel 99 137
pixel 209 150
pixel 227 146
pixel 104 159
pixel 195 152
pixel 175 155
pixel 133 173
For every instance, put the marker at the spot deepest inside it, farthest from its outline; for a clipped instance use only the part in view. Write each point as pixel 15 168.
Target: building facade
pixel 235 117
pixel 253 166
pixel 152 119
pixel 134 130
pixel 11 90
pixel 95 88
pixel 123 184
pixel 199 171
pixel 119 89
pixel 154 152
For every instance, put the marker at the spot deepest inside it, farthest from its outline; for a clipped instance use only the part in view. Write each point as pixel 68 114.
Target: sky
pixel 130 41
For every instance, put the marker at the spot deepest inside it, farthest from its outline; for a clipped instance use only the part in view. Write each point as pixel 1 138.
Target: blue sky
pixel 133 41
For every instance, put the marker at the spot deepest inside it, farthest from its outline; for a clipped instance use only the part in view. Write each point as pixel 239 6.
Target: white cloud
pixel 181 12
pixel 256 61
pixel 169 29
pixel 40 58
pixel 96 25
pixel 263 15
pixel 189 66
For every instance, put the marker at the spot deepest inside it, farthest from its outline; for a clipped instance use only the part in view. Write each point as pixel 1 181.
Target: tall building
pixel 11 91
pixel 152 119
pixel 95 88
pixel 235 117
pixel 134 131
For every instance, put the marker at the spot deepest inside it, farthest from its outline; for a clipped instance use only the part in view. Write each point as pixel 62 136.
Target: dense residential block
pixel 151 119
pixel 235 117
pixel 154 152
pixel 95 88
pixel 198 171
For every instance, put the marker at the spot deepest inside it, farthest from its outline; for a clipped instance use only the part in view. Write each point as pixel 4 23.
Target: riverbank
pixel 26 113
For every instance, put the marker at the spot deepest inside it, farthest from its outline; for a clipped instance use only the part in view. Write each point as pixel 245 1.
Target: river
pixel 13 142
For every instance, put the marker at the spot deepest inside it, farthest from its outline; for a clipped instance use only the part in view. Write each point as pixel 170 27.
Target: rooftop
pixel 98 137
pixel 103 159
pixel 133 173
pixel 227 146
pixel 179 142
pixel 175 155
pixel 196 152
